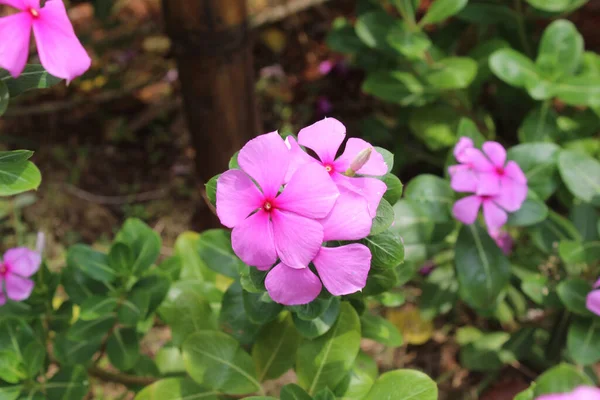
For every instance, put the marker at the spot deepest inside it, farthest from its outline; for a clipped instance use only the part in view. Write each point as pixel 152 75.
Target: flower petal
pixel 586 393
pixel 324 138
pixel 298 157
pixel 465 210
pixel 463 178
pixel 592 302
pixel 514 171
pixel 15 31
pixel 311 192
pixel 495 152
pixel 375 166
pixel 476 159
pixel 61 53
pixel 344 269
pixel 21 4
pixel 22 261
pixel 371 189
pixel 297 239
pixel 349 219
pixel 512 194
pixel 237 197
pixel 488 183
pixel 18 288
pixel 266 159
pixel 252 240
pixel 494 216
pixel 291 286
pixel 463 144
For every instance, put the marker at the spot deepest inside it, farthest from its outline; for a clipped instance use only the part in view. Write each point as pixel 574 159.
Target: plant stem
pixel 124 379
pixel 521 27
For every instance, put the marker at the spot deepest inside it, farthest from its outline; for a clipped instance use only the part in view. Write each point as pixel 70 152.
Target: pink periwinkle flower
pixel 499 186
pixel 61 53
pixel 580 393
pixel 325 138
pixel 17 265
pixel 592 301
pixel 503 240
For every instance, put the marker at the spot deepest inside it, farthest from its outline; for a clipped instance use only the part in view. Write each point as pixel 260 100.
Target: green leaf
pixel 275 348
pixel 373 29
pixel 579 90
pixel 11 367
pixel 156 286
pixel 394 188
pixel 18 177
pixel 10 392
pixel 260 307
pixel 186 247
pixel 294 392
pixel 581 175
pixel 233 318
pixel 407 8
pixel 71 352
pixel 321 324
pixel 554 229
pixel 91 330
pixel 452 73
pixel 324 394
pixel 540 125
pixel 134 308
pixel 211 189
pixel 34 357
pixel 380 280
pixel 410 43
pixel 468 128
pixel 176 389
pixel 143 241
pixel 517 70
pixel 214 247
pixel 586 219
pixel 405 384
pixel 576 252
pixel 342 37
pixel 380 330
pixel 69 383
pixel 34 76
pixel 572 292
pixel 538 162
pixel 416 229
pixel 388 157
pixel 433 194
pixel 169 360
pixel 441 10
pixel 91 262
pixel 435 125
pixel 560 379
pixel 561 50
pixel 123 348
pixel 484 353
pixel 4 97
pixel 386 248
pixel 482 269
pixel 383 219
pixel 583 341
pixel 121 258
pixel 557 6
pixel 15 156
pixel 532 211
pixel 323 362
pixel 216 360
pixel 96 307
pixel 359 381
pixel 398 87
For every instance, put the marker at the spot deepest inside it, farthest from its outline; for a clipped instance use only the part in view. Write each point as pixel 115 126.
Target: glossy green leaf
pixel 144 243
pixel 70 383
pixel 34 357
pixel 410 43
pixel 121 258
pixel 539 163
pixel 214 247
pixel 561 50
pixel 394 188
pixel 586 218
pixel 91 262
pixel 91 330
pixel 134 308
pixel 581 175
pixel 123 348
pixel 560 379
pixel 452 73
pixel 186 247
pixel 275 348
pixel 342 37
pixel 4 97
pixel 405 384
pixel 324 394
pixel 323 362
pixel 532 211
pixel 482 269
pixel 442 9
pixel 321 324
pixel 433 194
pixel 211 189
pixel 233 318
pixel 34 76
pixel 388 157
pixel 373 29
pixel 576 252
pixel 217 361
pixel 572 293
pixel 156 285
pixel 359 381
pixel 72 352
pixel 540 125
pixel 260 307
pixel 383 219
pixel 387 250
pixel 18 177
pixel 380 330
pixel 11 367
pixel 176 389
pixel 517 70
pixel 435 125
pixel 169 360
pixel 557 6
pixel 546 235
pixel 294 392
pixel 484 353
pixel 583 341
pixel 398 87
pixel 10 392
pixel 96 307
pixel 579 90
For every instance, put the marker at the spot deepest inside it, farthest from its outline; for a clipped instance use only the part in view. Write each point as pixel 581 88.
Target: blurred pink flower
pixel 324 106
pixel 593 299
pixel 325 67
pixel 503 240
pixel 427 268
pixel 17 265
pixel 580 393
pixel 60 52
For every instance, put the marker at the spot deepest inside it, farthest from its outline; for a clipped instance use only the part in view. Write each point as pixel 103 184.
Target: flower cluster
pixel 593 299
pixel 580 393
pixel 17 265
pixel 61 53
pixel 288 209
pixel 497 186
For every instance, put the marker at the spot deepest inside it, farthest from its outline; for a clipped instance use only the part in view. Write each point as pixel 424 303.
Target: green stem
pixel 543 114
pixel 521 27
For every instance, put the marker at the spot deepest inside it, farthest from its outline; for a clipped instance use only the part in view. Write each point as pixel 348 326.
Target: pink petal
pixel 557 396
pixel 18 288
pixel 349 219
pixel 21 4
pixel 495 152
pixel 291 286
pixel 61 53
pixel 237 197
pixel 513 171
pixel 370 188
pixel 297 239
pixel 311 192
pixel 266 159
pixel 512 194
pixel 298 157
pixel 324 138
pixel 15 31
pixel 375 166
pixel 463 178
pixel 476 159
pixel 494 216
pixel 488 183
pixel 597 284
pixel 593 302
pixel 344 269
pixel 466 210
pixel 463 144
pixel 252 240
pixel 22 261
pixel 586 393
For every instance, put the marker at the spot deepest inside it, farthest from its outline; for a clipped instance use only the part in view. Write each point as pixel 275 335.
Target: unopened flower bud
pixel 359 161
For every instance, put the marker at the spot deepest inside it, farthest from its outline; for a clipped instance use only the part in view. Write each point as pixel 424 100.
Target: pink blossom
pixel 325 138
pixel 60 52
pixel 580 393
pixel 18 264
pixel 503 240
pixel 593 299
pixel 495 210
pixel 268 225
